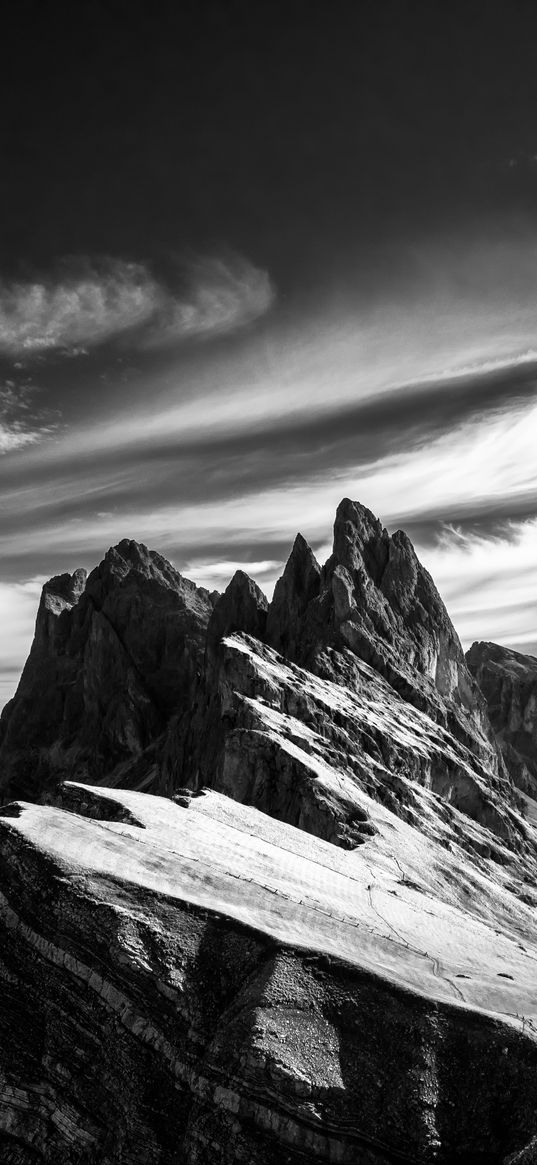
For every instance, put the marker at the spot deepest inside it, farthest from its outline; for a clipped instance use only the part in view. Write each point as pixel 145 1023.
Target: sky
pixel 258 257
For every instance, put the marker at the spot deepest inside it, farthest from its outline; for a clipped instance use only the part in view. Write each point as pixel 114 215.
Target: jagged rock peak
pixel 113 658
pixel 302 567
pixel 242 607
pixel 385 599
pixel 360 538
pixel 63 590
pixel 299 584
pixel 131 558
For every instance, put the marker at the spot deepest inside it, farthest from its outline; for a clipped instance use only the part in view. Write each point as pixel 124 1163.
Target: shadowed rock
pixel 508 680
pixel 378 600
pixel 242 607
pixel 114 654
pixel 293 593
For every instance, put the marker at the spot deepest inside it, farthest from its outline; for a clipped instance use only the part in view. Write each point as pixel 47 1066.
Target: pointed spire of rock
pixel 242 607
pixel 298 586
pixel 360 540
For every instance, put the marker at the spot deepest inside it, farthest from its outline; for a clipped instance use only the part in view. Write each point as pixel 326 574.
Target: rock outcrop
pixel 197 983
pixel 508 680
pixel 114 655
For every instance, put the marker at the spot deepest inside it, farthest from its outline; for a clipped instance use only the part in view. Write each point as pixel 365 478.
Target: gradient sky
pixel 257 257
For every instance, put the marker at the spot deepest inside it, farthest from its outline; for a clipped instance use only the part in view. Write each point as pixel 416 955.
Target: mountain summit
pixel 268 871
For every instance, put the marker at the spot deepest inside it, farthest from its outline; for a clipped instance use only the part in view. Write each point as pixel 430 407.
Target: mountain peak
pixel 242 607
pixel 360 540
pixel 298 586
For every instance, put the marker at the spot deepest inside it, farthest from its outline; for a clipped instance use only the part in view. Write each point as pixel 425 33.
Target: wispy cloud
pixel 216 575
pixel 83 305
pixel 88 302
pixel 222 295
pixel 22 422
pixel 488 583
pixel 271 483
pixel 18 607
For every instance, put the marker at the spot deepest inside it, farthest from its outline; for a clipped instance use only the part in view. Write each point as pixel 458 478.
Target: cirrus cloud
pixel 90 302
pixel 223 295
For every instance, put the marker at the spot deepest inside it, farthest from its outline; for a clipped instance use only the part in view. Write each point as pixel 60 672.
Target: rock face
pixel 508 680
pixel 393 703
pixel 374 598
pixel 114 655
pixel 197 984
pixel 301 747
pixel 315 941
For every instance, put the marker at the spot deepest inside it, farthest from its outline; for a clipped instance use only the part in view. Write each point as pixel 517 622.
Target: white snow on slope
pixel 398 906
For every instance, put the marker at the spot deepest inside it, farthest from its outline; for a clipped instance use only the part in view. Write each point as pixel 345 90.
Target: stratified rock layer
pixel 197 984
pixel 508 680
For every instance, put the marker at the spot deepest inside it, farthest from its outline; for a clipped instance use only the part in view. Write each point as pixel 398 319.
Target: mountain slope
pixel 264 995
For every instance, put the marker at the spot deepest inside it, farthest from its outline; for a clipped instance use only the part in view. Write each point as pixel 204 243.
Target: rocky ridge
pixel 334 864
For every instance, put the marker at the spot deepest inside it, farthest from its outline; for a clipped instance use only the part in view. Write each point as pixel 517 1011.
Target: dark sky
pixel 254 257
pixel 292 132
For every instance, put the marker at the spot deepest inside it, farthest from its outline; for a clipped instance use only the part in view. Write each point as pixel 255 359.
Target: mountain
pixel 268 886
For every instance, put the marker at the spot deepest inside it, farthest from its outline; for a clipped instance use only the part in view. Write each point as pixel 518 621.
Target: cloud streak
pixel 488 583
pixel 446 453
pixel 223 295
